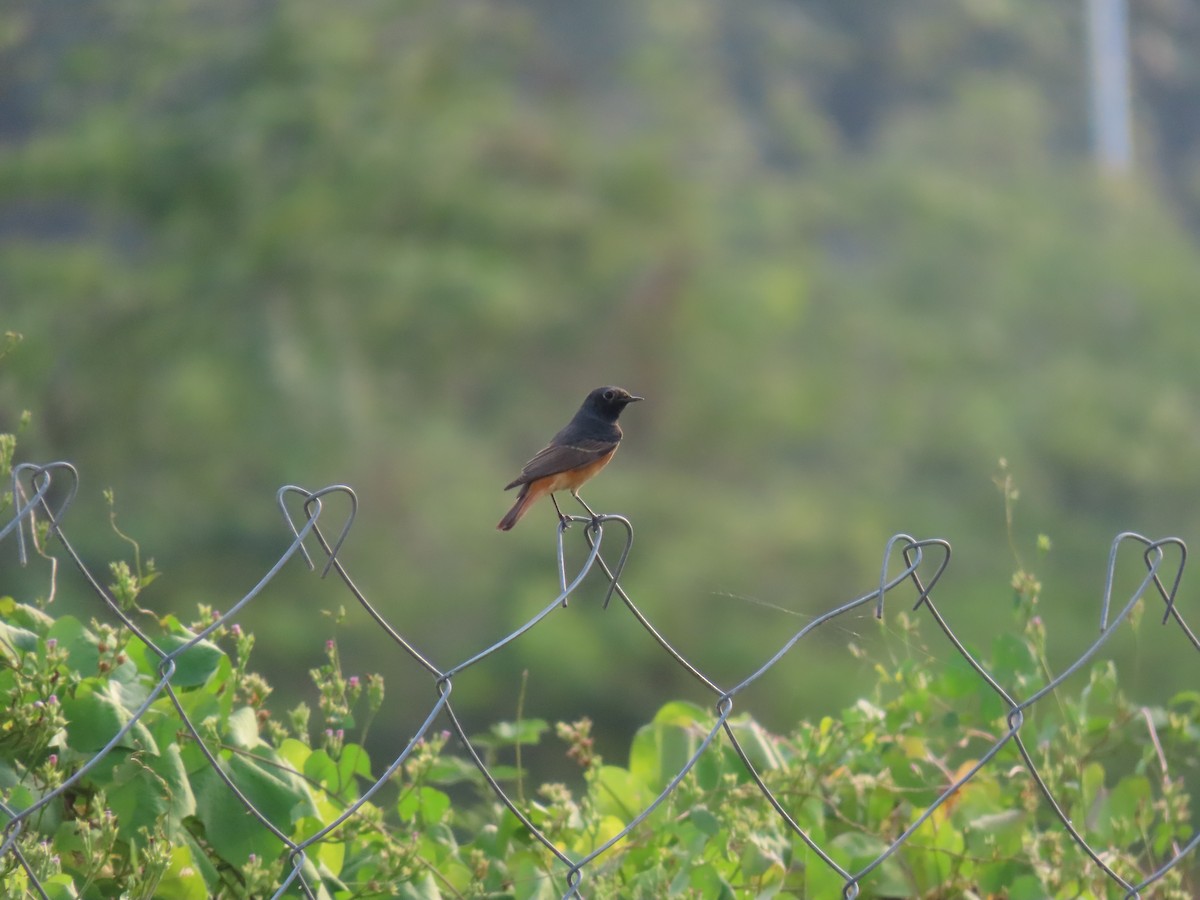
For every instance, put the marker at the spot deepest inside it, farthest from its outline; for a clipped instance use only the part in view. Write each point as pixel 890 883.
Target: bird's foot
pixel 595 523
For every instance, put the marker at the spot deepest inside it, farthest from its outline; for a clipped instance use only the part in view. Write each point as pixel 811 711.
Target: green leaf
pixel 819 879
pixel 295 753
pixel 320 768
pixel 59 887
pixel 423 805
pixel 353 761
pixel 506 773
pixel 811 817
pixel 660 749
pixel 99 710
pixel 707 881
pixel 761 746
pixel 1184 698
pixel 83 654
pixel 1002 831
pixel 194 666
pixel 9 778
pixel 994 878
pixel 1132 801
pixel 338 778
pixel 1091 792
pixel 328 853
pixel 619 793
pixel 683 715
pixel 527 732
pixel 241 729
pixel 279 795
pixel 763 856
pixel 420 887
pixel 15 641
pixel 17 798
pixel 957 679
pixel 1012 659
pixel 146 786
pixel 27 616
pixel 147 661
pixel 934 855
pixel 446 770
pixel 202 860
pixel 198 705
pixel 704 820
pixel 1026 887
pixel 856 850
pixel 182 880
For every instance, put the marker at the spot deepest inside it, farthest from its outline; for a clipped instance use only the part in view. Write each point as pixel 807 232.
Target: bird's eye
pixel 609 395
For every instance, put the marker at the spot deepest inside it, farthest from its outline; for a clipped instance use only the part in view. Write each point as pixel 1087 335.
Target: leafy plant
pixel 155 818
pixel 151 755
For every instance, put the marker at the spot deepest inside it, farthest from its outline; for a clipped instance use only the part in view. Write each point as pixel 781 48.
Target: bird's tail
pixel 518 509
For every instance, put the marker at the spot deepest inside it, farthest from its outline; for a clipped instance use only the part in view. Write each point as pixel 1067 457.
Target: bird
pixel 573 456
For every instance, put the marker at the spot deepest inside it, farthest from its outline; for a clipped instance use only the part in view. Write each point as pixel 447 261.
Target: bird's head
pixel 607 402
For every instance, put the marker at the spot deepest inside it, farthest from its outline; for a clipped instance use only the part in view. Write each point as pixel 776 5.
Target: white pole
pixel 1108 42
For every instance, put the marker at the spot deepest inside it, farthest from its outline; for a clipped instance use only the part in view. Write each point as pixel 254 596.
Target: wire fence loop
pixel 43 494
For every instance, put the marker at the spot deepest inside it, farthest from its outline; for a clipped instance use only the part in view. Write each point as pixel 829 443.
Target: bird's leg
pixel 585 506
pixel 564 520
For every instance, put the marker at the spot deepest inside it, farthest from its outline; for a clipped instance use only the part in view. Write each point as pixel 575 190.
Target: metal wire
pixel 305 515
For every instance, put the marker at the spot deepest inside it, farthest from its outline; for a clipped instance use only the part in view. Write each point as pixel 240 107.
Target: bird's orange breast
pixel 573 479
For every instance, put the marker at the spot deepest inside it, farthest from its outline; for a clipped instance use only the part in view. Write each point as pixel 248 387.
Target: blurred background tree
pixel 853 254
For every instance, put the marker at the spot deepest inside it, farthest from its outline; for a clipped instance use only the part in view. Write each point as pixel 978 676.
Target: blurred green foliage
pixel 852 255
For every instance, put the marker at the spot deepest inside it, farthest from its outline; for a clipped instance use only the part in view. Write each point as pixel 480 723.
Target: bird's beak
pixel 632 398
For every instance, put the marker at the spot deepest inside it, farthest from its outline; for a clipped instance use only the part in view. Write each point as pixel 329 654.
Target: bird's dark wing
pixel 561 458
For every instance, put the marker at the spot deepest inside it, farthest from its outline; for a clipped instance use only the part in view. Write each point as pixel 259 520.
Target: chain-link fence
pixel 910 566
